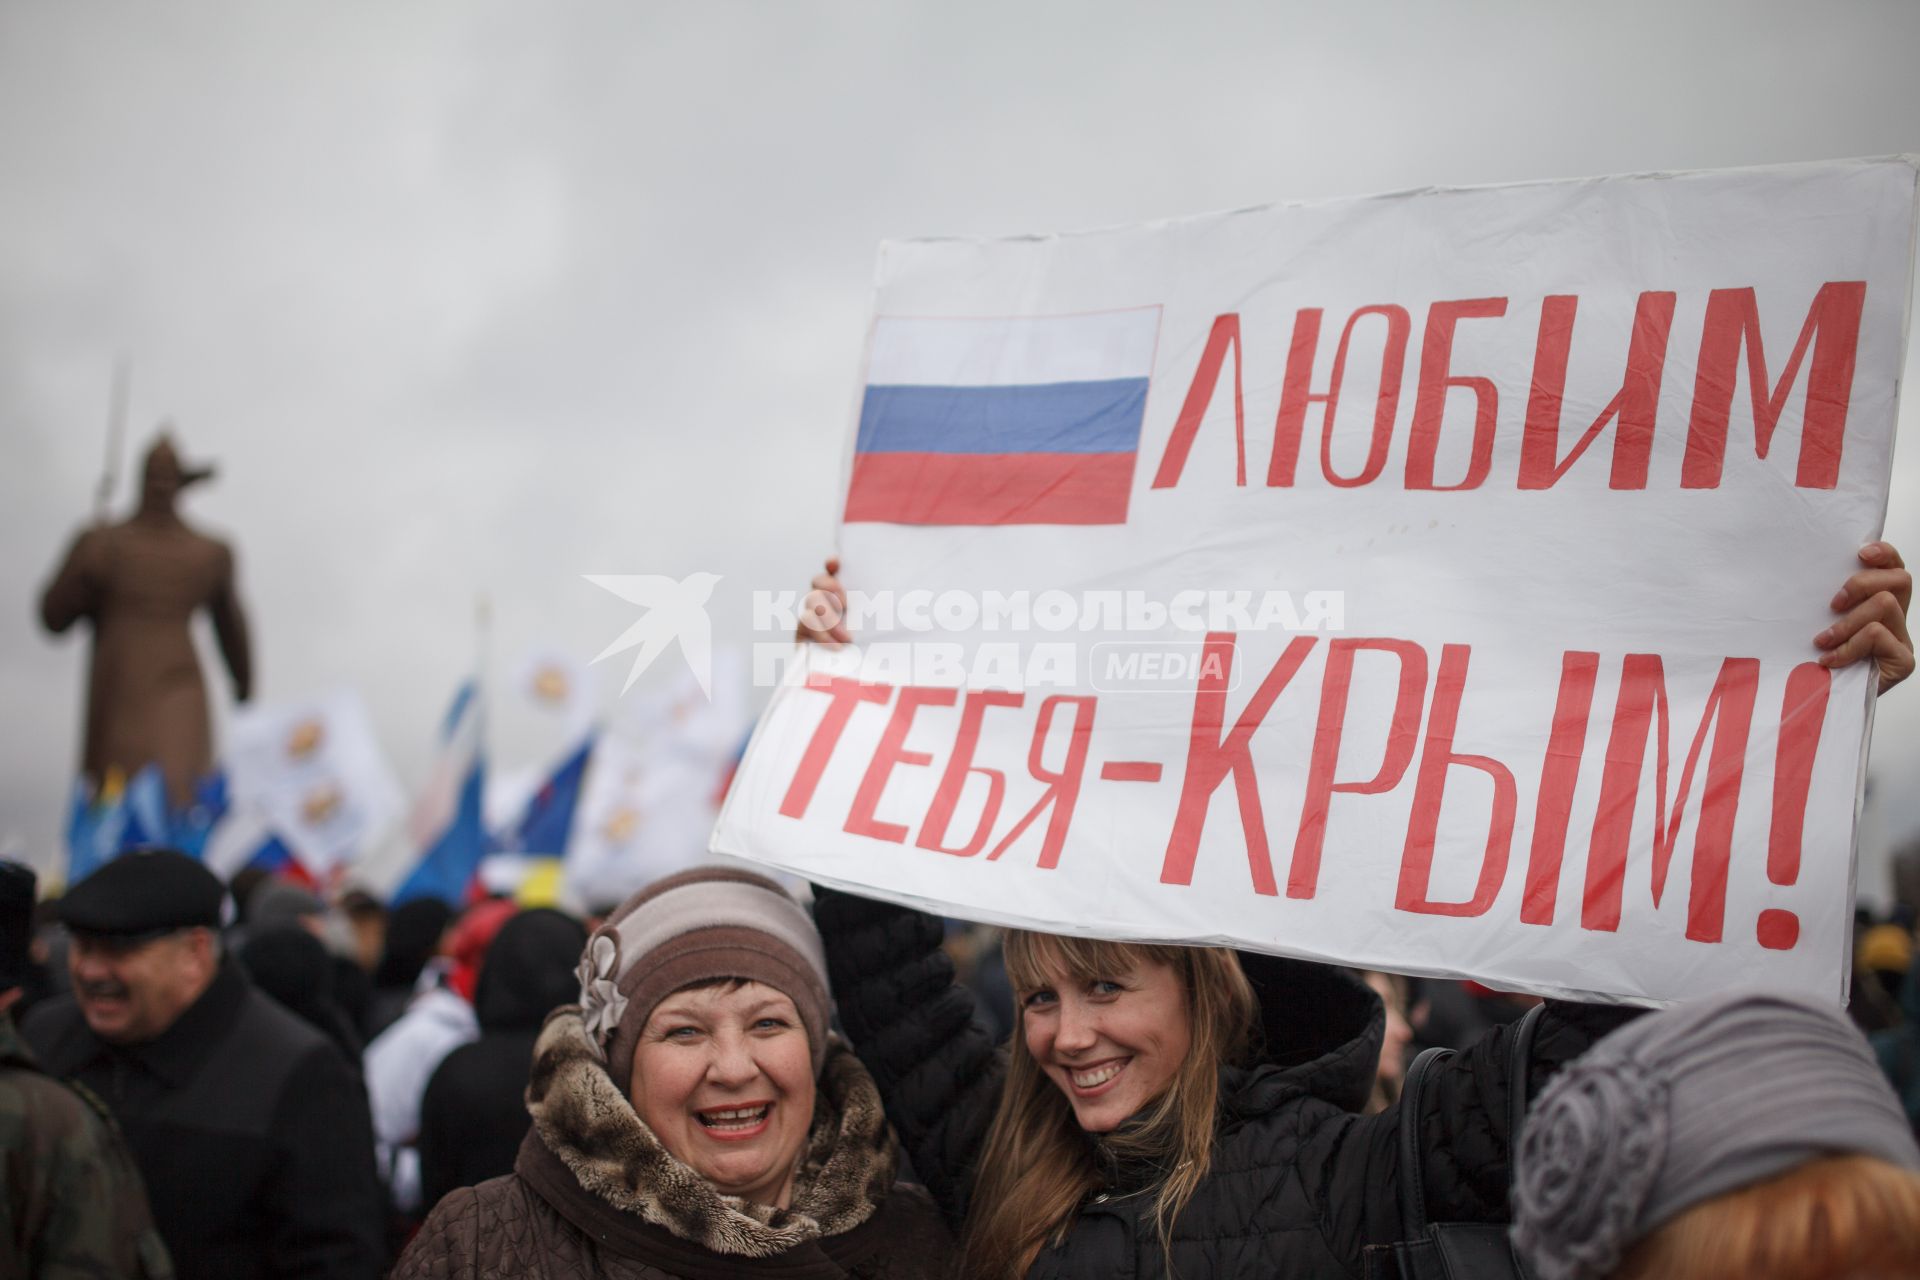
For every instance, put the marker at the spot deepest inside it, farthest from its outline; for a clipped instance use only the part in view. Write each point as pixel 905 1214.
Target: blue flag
pixel 449 813
pixel 543 826
pixel 101 826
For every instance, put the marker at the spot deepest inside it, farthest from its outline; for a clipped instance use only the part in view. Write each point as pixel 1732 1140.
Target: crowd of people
pixel 212 1080
pixel 723 1075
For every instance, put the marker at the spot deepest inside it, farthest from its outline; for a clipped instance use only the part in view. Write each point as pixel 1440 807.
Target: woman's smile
pixel 736 1123
pixel 1111 1043
pixel 722 1076
pixel 1089 1082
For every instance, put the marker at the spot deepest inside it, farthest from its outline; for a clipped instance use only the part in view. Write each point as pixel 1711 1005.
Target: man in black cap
pixel 71 1202
pixel 250 1127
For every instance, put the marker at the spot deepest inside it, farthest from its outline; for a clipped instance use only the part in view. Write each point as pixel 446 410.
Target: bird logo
pixel 674 611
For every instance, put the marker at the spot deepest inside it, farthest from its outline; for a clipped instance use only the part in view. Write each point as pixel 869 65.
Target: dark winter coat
pixel 413 935
pixel 1299 1186
pixel 71 1203
pixel 250 1129
pixel 1898 1048
pixel 474 1115
pixel 595 1194
pixel 291 965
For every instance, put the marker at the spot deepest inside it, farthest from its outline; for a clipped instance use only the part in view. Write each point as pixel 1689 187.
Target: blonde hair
pixel 1837 1218
pixel 1038 1165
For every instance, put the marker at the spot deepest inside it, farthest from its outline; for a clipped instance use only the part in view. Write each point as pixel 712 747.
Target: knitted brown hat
pixel 694 927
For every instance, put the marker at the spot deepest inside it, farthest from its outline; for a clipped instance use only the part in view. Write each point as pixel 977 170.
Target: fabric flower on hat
pixel 601 1004
pixel 1589 1159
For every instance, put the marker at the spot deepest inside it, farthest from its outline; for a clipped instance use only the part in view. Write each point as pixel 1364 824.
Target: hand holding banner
pixel 1492 655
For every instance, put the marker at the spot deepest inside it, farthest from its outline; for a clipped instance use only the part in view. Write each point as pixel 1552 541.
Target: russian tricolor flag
pixel 446 823
pixel 1025 420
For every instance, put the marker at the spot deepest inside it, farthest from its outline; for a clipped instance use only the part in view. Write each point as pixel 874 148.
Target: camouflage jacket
pixel 71 1202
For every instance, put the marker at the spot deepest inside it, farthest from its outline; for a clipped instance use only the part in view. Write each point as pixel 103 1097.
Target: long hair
pixel 1837 1218
pixel 1038 1165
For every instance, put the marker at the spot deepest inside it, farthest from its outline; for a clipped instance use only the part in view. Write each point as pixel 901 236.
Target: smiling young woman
pixel 1121 1041
pixel 1194 1112
pixel 1163 1111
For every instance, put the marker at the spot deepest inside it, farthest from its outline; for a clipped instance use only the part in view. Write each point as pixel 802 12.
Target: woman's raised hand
pixel 1873 623
pixel 823 614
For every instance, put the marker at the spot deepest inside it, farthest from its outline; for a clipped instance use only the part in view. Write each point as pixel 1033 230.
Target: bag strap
pixel 1519 1058
pixel 1413 1191
pixel 1413 1194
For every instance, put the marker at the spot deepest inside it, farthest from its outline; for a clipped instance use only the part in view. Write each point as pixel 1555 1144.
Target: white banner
pixel 653 785
pixel 312 773
pixel 1425 582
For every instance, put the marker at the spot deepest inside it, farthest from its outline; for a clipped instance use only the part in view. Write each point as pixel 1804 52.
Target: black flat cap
pixel 16 922
pixel 146 891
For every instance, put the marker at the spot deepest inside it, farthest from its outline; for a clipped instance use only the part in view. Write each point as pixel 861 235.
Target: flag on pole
pixel 95 825
pixel 134 814
pixel 560 690
pixel 546 819
pixel 276 859
pixel 147 810
pixel 311 774
pixel 652 789
pixel 447 825
pixel 191 828
pixel 242 839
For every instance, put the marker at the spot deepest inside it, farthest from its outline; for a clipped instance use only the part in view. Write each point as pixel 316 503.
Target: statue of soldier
pixel 139 583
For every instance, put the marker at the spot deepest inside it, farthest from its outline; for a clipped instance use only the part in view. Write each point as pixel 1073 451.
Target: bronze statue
pixel 139 582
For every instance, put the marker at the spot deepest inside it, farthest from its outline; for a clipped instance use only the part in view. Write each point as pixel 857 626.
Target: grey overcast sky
pixel 482 296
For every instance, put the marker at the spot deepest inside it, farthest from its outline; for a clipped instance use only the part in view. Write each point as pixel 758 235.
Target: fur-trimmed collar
pixel 592 1129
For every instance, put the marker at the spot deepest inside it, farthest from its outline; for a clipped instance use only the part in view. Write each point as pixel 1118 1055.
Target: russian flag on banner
pixel 1022 420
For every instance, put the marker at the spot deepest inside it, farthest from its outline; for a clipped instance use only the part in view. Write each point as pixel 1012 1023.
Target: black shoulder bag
pixel 1452 1250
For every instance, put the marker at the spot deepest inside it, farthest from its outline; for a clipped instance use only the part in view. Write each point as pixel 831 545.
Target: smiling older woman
pixel 692 1116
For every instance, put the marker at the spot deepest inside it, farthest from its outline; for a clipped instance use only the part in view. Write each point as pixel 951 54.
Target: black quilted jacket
pixel 1300 1184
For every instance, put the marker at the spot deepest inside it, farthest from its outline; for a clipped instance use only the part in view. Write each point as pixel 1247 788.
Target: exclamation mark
pixel 1802 712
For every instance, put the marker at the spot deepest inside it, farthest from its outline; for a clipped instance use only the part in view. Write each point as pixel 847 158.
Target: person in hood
pixel 413 934
pixel 293 967
pixel 278 904
pixel 692 1117
pixel 474 1116
pixel 403 1058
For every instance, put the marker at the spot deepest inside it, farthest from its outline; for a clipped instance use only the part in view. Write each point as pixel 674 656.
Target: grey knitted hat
pixel 699 925
pixel 275 902
pixel 1685 1105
